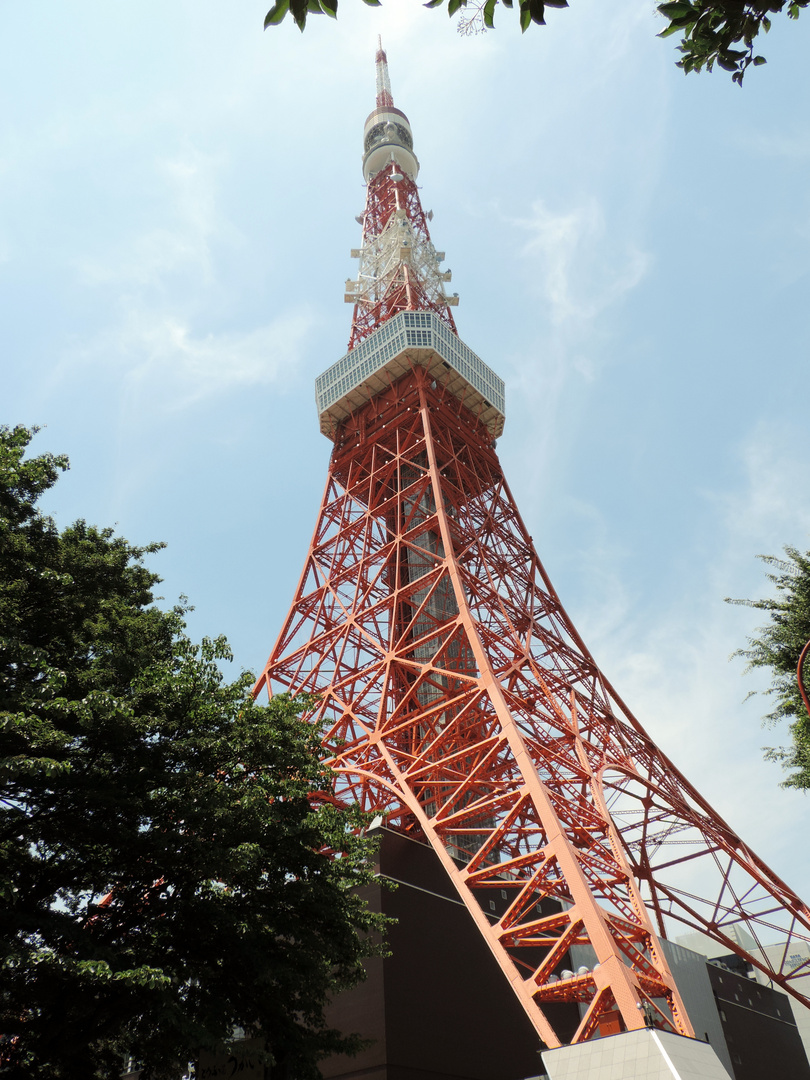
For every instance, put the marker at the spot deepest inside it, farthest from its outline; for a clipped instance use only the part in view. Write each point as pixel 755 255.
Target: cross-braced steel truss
pixel 460 702
pixel 399 267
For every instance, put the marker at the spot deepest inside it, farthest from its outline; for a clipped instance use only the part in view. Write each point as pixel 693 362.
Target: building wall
pixel 439 1007
pixel 758 1025
pixel 689 969
pixel 801 954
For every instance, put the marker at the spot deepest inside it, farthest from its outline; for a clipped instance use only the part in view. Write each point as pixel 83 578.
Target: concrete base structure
pixel 635 1055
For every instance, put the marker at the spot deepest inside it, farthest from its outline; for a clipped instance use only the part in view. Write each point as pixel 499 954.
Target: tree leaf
pixel 489 12
pixel 454 5
pixel 276 13
pixel 329 7
pixel 537 10
pixel 298 10
pixel 676 10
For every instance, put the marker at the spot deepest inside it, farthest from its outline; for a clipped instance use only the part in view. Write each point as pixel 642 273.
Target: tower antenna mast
pixel 384 97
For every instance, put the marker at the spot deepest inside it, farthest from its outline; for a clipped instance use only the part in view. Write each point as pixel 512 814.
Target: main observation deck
pixel 407 339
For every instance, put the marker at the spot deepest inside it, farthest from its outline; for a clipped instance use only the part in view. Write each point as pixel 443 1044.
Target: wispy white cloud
pixel 578 269
pixel 627 33
pixel 165 355
pixel 772 507
pixel 187 184
pixel 575 274
pixel 201 366
pixel 163 361
pixel 794 145
pixel 670 661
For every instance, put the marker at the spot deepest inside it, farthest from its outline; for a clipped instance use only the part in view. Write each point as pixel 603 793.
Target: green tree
pixel 712 32
pixel 777 646
pixel 166 874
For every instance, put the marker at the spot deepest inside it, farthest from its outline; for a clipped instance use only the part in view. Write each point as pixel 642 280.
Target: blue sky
pixel 632 251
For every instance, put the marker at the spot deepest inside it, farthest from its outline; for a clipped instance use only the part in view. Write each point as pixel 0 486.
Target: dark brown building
pixel 439 1007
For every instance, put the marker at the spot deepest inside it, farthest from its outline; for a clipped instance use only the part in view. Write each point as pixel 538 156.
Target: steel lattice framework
pixel 459 701
pixel 399 266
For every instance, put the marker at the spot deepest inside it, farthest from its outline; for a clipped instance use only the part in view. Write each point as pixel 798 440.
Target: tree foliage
pixel 165 867
pixel 712 32
pixel 776 647
pixel 723 32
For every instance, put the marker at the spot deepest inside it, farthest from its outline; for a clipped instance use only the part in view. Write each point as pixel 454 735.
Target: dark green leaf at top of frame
pixel 537 9
pixel 276 13
pixel 298 10
pixel 676 10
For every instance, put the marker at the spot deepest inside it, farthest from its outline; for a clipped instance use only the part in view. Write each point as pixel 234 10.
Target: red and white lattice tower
pixel 457 698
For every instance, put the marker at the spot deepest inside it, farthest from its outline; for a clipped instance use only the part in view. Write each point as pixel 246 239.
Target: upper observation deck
pixel 407 339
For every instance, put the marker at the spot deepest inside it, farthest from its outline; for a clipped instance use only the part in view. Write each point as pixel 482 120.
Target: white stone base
pixel 635 1055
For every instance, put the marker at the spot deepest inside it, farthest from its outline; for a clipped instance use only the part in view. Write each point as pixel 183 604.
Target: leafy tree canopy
pixel 165 868
pixel 777 647
pixel 712 32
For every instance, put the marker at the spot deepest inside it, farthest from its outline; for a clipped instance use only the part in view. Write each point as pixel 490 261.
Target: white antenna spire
pixel 383 80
